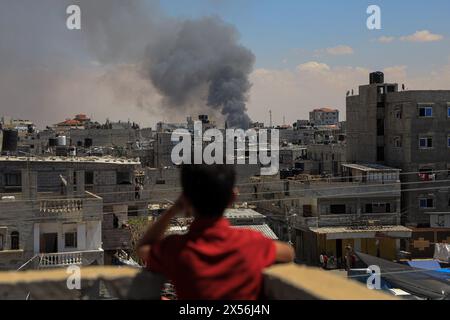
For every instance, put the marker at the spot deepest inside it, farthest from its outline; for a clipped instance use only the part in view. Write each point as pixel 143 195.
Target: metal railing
pixel 49 260
pixel 61 206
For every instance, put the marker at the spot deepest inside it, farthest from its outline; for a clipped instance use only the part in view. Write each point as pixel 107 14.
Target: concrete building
pixel 361 209
pixel 111 180
pixel 409 130
pixel 326 159
pixel 42 228
pixel 324 116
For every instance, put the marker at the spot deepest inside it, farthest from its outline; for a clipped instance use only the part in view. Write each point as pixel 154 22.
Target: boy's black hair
pixel 209 188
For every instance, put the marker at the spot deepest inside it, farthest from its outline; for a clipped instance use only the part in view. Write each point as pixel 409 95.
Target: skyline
pixel 317 52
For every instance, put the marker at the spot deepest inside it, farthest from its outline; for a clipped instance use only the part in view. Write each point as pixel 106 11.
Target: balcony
pixel 49 260
pixel 90 207
pixel 347 220
pixel 65 259
pixel 58 207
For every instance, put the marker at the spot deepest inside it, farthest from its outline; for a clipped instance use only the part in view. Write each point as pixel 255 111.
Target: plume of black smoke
pixel 191 63
pixel 203 53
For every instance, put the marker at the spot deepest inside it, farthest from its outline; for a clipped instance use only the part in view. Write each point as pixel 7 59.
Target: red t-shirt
pixel 214 261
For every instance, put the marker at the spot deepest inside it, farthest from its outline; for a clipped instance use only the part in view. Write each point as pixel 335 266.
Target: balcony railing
pixel 56 207
pixel 343 220
pixel 64 259
pixel 49 260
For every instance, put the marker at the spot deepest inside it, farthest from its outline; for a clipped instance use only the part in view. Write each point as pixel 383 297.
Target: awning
pixel 334 233
pixel 263 228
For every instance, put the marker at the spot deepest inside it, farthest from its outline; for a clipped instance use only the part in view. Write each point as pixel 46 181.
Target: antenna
pixel 270 114
pixel 284 120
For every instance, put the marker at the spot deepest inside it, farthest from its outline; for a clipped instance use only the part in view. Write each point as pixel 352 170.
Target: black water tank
pixel 376 77
pixel 203 118
pixel 10 138
pixel 88 142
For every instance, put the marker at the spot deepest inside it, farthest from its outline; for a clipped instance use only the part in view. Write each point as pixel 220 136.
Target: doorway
pixel 49 243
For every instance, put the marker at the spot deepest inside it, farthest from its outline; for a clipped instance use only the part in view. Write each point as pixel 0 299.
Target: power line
pixel 378 192
pixel 237 185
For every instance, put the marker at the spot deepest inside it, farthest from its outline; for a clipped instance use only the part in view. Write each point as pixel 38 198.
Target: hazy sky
pixel 308 54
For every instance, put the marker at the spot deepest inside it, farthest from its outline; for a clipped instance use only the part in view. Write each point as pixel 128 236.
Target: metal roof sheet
pixel 263 228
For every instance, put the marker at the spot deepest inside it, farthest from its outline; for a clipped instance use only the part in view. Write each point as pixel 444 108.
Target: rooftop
pixel 369 167
pixel 55 159
pixel 263 228
pixel 380 229
pixel 325 110
pixel 242 214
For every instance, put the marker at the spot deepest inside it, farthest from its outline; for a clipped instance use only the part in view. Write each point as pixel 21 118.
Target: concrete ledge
pixel 293 282
pixel 283 282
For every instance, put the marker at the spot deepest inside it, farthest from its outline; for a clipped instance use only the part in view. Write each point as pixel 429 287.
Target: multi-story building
pixel 409 130
pixel 107 185
pixel 326 158
pixel 324 116
pixel 42 228
pixel 361 209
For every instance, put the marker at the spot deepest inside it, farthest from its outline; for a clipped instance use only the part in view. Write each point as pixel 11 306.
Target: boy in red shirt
pixel 213 260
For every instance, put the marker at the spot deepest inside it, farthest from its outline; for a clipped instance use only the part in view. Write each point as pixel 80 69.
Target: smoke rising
pixel 203 53
pixel 129 54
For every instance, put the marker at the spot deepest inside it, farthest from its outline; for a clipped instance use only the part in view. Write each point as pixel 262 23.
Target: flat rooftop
pixel 369 167
pixel 242 214
pixel 55 159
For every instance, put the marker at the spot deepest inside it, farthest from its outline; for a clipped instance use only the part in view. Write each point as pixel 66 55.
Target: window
pixel 426 174
pixel 70 240
pixel 448 141
pixel 425 111
pixel 123 178
pixel 398 112
pixel 398 142
pixel 337 209
pixel 2 241
pixel 14 240
pixel 426 203
pixel 89 177
pixel 425 143
pixel 13 180
pixel 448 111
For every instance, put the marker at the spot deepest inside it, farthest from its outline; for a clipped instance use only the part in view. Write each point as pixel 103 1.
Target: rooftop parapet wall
pixel 281 282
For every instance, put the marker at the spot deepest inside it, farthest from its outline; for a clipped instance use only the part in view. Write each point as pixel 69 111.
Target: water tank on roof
pixel 10 138
pixel 376 77
pixel 62 140
pixel 203 118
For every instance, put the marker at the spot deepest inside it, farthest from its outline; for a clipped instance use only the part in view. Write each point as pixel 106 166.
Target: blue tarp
pixel 435 268
pixel 425 264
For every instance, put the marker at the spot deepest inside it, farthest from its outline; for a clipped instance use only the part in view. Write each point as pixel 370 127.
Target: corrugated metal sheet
pixel 325 230
pixel 263 228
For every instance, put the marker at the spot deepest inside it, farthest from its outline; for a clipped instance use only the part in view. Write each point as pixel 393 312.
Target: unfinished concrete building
pixel 105 185
pixel 409 130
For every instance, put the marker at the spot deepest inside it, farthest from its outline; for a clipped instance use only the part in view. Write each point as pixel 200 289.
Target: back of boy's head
pixel 209 188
